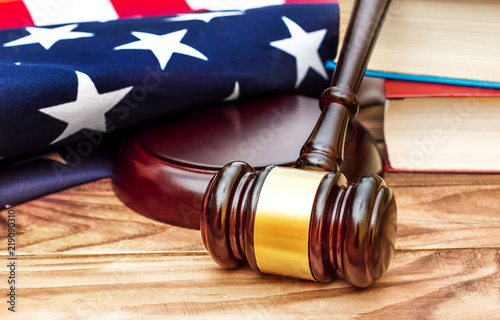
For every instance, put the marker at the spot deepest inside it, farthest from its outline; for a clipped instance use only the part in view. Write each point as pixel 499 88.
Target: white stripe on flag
pixel 47 12
pixel 214 5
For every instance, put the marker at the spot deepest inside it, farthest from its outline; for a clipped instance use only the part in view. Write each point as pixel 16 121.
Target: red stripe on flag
pixel 14 14
pixel 145 8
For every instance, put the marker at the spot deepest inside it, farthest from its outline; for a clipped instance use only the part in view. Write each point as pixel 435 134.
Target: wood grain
pixel 427 179
pixel 448 217
pixel 427 284
pixel 89 219
pixel 82 254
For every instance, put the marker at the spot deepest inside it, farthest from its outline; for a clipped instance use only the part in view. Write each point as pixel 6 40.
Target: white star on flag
pixel 88 111
pixel 47 37
pixel 205 16
pixel 304 47
pixel 162 46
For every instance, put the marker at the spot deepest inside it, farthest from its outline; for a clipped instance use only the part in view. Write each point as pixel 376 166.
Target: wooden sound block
pixel 163 171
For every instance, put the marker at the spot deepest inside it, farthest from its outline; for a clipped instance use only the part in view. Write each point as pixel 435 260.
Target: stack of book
pixel 441 59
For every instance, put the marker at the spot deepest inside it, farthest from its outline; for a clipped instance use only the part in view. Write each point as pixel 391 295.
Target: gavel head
pixel 300 223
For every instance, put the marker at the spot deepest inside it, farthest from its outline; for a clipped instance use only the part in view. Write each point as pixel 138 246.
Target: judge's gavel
pixel 308 222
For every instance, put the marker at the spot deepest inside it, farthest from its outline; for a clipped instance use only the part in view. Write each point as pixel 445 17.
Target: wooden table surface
pixel 84 255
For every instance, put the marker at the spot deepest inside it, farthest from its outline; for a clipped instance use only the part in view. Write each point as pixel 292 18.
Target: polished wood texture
pixel 82 254
pixel 163 171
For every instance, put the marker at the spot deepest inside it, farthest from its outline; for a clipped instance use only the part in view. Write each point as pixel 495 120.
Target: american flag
pixel 83 81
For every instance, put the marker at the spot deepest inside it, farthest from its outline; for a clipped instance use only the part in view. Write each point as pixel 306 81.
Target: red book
pixel 441 128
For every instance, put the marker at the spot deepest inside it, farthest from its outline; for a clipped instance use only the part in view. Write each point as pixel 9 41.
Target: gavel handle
pixel 324 150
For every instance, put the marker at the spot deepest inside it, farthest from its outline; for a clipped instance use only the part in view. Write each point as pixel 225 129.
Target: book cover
pixel 441 128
